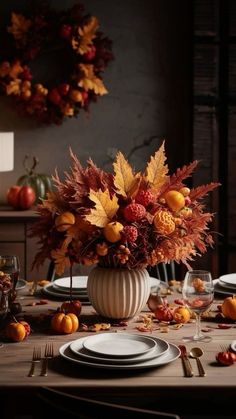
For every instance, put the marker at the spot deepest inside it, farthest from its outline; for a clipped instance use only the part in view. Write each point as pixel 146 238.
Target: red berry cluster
pixel 134 212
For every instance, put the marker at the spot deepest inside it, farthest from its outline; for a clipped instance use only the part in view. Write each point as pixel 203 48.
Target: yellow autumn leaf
pixel 105 208
pixel 89 81
pixel 156 170
pixel 124 178
pixel 87 34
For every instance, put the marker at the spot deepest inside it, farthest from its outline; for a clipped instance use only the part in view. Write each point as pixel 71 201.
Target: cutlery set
pixel 36 358
pixel 194 353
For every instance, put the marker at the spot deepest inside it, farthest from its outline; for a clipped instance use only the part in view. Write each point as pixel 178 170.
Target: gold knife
pixel 188 371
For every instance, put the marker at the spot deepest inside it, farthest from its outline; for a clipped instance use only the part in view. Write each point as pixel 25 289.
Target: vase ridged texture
pixel 118 293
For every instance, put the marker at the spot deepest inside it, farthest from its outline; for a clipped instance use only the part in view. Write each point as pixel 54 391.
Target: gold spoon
pixel 196 353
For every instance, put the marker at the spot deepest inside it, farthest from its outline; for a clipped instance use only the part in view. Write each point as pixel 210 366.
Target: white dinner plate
pixel 119 344
pixel 229 279
pixel 171 355
pixel 21 283
pixel 50 291
pixel 161 347
pixel 233 345
pixel 219 289
pixel 78 283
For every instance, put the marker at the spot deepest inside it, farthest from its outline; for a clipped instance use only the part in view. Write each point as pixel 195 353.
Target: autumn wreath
pixel 77 53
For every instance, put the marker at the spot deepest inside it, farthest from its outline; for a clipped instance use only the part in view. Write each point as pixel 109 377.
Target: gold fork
pixel 48 354
pixel 36 357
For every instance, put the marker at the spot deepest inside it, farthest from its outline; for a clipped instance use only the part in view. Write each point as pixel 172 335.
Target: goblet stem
pixel 198 334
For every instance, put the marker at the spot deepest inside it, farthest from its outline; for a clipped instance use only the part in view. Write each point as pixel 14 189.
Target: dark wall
pixel 149 85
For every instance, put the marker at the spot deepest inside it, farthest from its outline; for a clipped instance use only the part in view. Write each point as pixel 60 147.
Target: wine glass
pixel 9 264
pixel 198 295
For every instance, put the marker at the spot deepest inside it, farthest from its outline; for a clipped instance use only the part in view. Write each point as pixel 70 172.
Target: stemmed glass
pixel 9 264
pixel 198 295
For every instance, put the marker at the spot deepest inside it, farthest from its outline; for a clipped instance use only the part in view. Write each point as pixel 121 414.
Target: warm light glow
pixel 6 151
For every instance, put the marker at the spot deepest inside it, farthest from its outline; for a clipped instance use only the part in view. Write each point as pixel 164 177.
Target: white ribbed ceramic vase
pixel 118 293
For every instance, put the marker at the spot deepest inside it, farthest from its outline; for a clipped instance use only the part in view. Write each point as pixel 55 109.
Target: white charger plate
pixel 226 286
pixel 79 283
pixel 119 344
pixel 229 279
pixel 171 355
pixel 161 347
pixel 219 289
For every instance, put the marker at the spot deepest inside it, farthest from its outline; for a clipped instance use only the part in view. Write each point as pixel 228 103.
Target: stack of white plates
pixel 226 284
pixel 120 351
pixel 60 288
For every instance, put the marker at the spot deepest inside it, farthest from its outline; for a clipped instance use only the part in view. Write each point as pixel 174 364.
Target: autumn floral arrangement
pixel 125 218
pixel 80 53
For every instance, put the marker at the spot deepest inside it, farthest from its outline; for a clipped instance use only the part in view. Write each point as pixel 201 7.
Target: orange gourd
pixel 64 323
pixel 229 307
pixel 74 307
pixel 17 331
pixel 181 315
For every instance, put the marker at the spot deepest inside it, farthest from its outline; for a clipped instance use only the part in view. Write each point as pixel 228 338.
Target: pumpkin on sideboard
pixel 41 183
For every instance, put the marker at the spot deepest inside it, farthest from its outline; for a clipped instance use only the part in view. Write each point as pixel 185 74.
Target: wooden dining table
pixel 162 388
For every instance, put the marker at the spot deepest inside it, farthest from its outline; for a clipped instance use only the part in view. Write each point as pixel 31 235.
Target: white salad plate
pixel 79 283
pixel 221 290
pixel 21 283
pixel 77 347
pixel 50 291
pixel 229 280
pixel 119 344
pixel 169 356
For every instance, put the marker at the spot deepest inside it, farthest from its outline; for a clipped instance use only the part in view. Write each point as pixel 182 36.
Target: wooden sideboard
pixel 14 228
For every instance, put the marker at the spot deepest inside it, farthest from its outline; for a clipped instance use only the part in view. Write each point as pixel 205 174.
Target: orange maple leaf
pixel 61 260
pixel 82 43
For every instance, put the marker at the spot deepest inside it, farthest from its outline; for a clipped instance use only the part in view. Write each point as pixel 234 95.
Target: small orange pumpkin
pixel 74 306
pixel 17 331
pixel 229 307
pixel 64 323
pixel 181 315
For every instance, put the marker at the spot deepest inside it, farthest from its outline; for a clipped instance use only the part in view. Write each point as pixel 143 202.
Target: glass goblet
pixel 9 264
pixel 198 295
